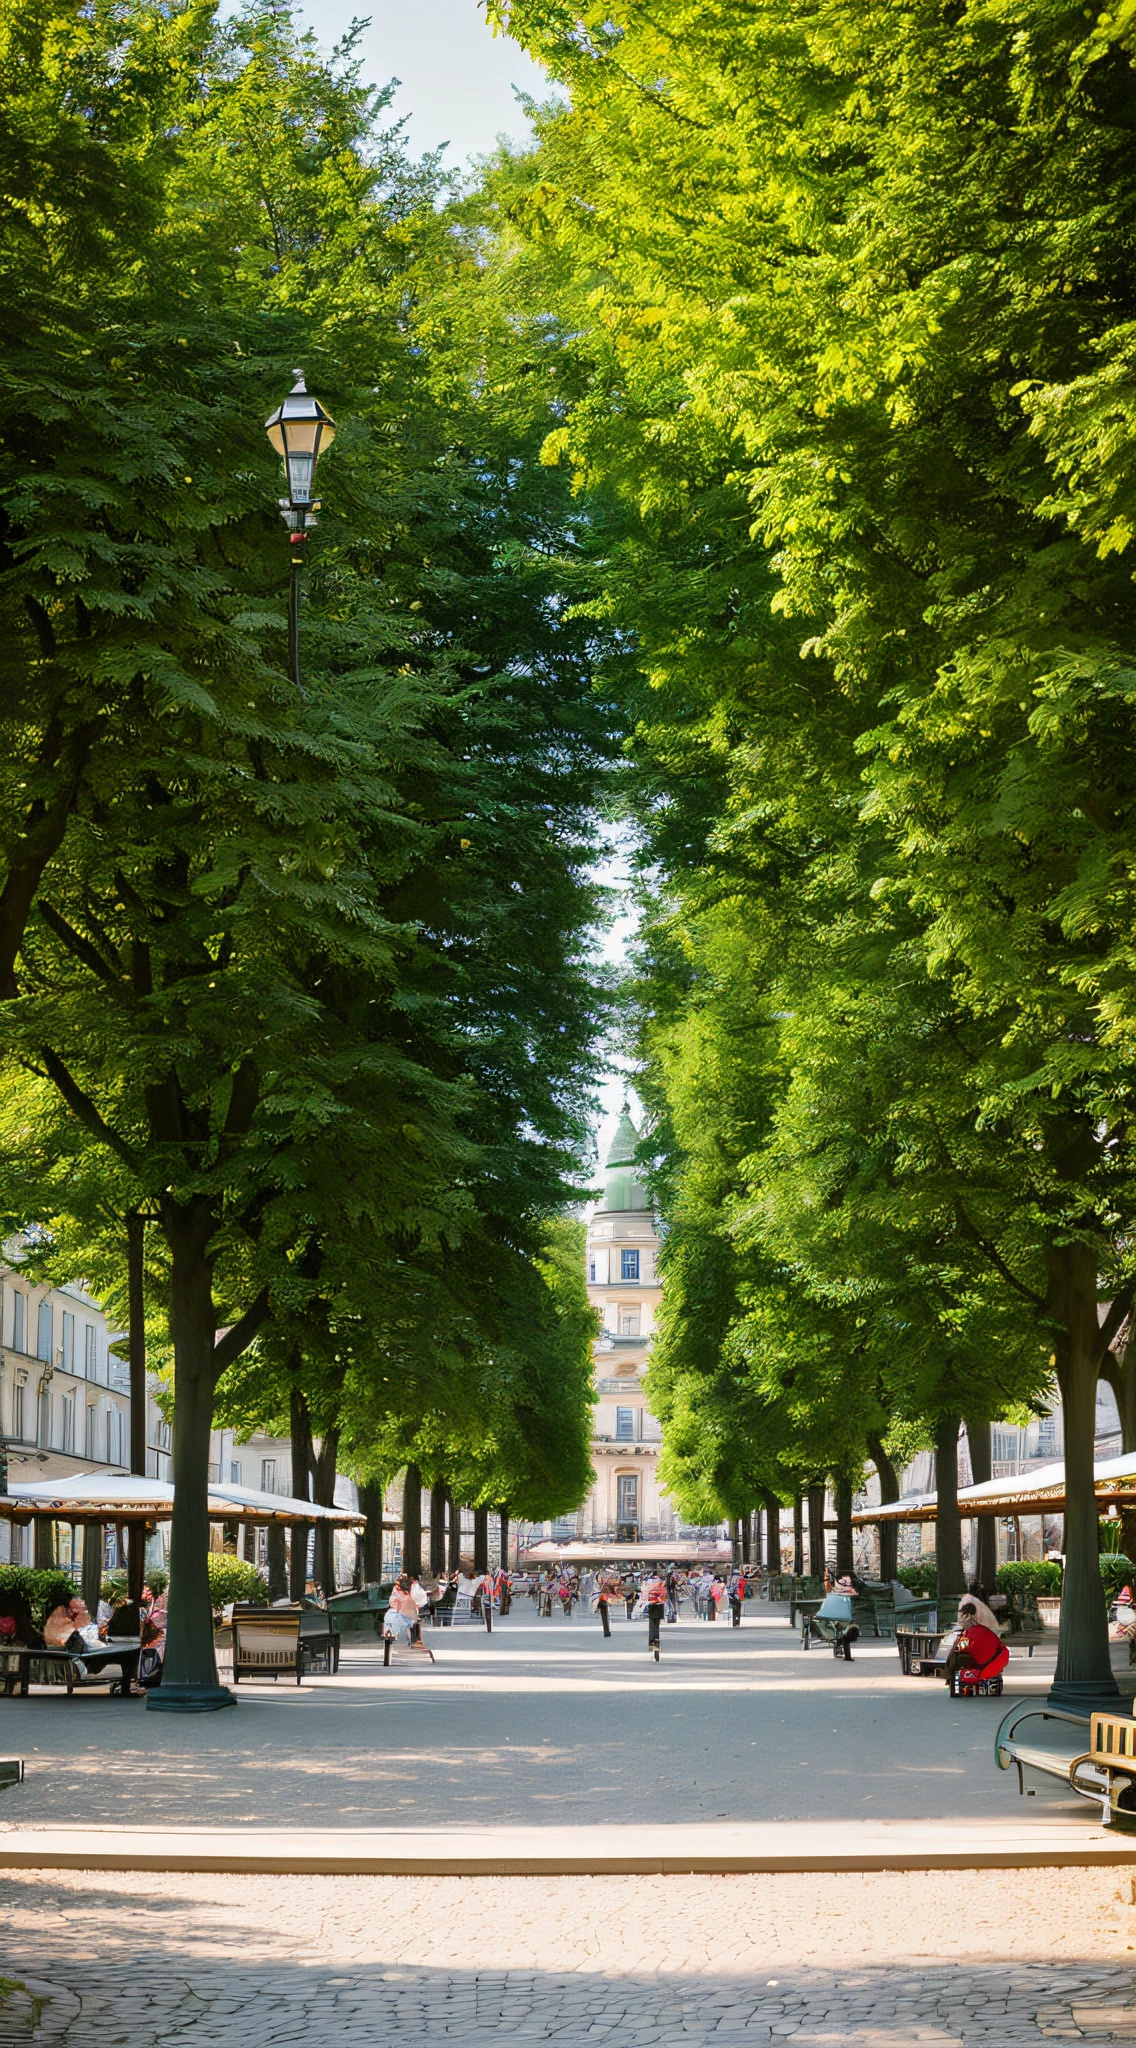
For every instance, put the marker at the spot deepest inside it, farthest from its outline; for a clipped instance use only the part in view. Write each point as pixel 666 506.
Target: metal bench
pixel 113 1664
pixel 1009 1749
pixel 271 1641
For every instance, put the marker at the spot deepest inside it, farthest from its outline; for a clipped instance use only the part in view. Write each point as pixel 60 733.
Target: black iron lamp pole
pixel 299 430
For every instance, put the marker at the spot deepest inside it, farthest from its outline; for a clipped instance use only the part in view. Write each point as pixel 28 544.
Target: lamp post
pixel 299 430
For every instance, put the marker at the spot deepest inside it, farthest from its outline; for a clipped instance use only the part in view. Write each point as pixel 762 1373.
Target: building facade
pixel 624 1287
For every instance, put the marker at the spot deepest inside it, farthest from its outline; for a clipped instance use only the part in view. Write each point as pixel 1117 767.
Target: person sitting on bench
pixel 978 1654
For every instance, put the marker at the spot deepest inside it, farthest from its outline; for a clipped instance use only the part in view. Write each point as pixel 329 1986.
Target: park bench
pixel 804 1592
pixel 268 1641
pixel 11 1771
pixel 1105 1772
pixel 837 1621
pixel 406 1652
pixel 113 1663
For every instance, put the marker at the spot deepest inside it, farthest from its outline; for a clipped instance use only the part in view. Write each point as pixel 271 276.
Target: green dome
pixel 623 1188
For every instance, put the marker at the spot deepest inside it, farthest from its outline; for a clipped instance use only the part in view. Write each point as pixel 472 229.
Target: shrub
pixel 1116 1571
pixel 42 1589
pixel 1029 1578
pixel 921 1579
pixel 230 1578
pixel 114 1584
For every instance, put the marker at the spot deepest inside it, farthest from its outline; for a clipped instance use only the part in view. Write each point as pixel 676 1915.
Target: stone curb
pixel 572 1851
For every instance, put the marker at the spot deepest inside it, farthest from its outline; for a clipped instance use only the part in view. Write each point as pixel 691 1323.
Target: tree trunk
pixel 92 1576
pixel 481 1539
pixel 735 1540
pixel 1084 1679
pixel 843 1491
pixel 301 1434
pixel 950 1579
pixel 504 1539
pixel 798 1537
pixel 136 1338
pixel 772 1534
pixel 277 1562
pixel 889 1490
pixel 985 1526
pixel 438 1526
pixel 44 1543
pixel 371 1505
pixel 324 1464
pixel 453 1556
pixel 136 1560
pixel 1119 1369
pixel 189 1674
pixel 816 1532
pixel 412 1521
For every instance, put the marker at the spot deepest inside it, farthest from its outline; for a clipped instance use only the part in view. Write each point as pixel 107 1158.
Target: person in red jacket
pixel 655 1602
pixel 977 1653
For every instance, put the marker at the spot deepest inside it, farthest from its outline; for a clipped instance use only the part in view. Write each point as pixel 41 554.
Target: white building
pixel 64 1396
pixel 625 1287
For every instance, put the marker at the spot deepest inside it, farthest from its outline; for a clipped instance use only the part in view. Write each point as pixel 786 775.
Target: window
pixel 627 1497
pixel 629 1322
pixel 234 1471
pixel 625 1424
pixel 68 1341
pixel 43 1338
pixel 90 1351
pixel 598 1263
pixel 114 1436
pixel 629 1265
pixel 68 1443
pixel 19 1393
pixel 19 1320
pixel 90 1438
pixel 43 1433
pixel 268 1475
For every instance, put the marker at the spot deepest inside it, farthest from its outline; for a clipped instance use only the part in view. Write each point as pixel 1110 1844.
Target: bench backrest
pixel 269 1637
pixel 1112 1735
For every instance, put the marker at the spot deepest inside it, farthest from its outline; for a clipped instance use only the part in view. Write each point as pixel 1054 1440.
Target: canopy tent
pixel 90 1497
pixel 1028 1493
pixel 662 1552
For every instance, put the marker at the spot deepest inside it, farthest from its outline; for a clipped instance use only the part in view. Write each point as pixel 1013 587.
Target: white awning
pixel 1026 1493
pixel 91 1497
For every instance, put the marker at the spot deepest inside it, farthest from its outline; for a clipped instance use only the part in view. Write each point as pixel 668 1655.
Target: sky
pixel 457 78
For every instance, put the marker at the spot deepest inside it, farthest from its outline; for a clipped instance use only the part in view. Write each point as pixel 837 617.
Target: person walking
pixel 736 1590
pixel 655 1606
pixel 672 1594
pixel 608 1591
pixel 630 1592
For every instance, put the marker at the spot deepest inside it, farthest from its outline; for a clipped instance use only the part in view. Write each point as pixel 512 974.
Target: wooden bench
pixel 1106 1770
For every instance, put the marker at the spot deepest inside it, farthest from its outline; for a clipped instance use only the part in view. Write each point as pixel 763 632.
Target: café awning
pixel 1039 1492
pixel 93 1497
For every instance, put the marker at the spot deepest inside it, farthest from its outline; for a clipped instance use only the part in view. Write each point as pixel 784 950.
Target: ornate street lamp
pixel 299 430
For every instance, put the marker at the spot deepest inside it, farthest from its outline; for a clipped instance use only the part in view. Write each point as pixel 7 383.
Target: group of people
pixel 69 1626
pixel 438 1596
pixel 562 1589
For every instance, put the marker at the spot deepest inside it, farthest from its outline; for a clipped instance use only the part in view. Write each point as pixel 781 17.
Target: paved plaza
pixel 543 1725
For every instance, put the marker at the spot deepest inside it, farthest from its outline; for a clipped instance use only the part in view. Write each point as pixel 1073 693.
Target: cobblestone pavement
pixel 882 1961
